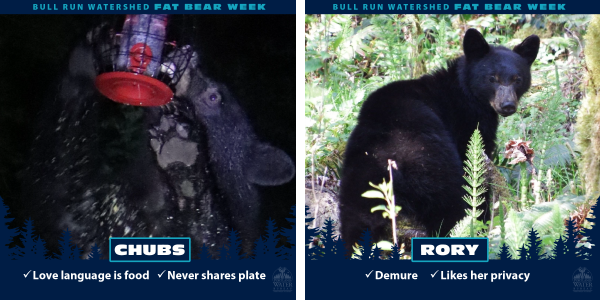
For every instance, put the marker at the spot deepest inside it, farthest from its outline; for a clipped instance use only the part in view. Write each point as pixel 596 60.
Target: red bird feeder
pixel 140 67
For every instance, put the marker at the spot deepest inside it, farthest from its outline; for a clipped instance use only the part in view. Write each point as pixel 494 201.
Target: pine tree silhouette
pixel 77 252
pixel 40 249
pixel 560 249
pixel 7 235
pixel 95 253
pixel 289 235
pixel 340 252
pixel 67 251
pixel 327 239
pixel 523 253
pixel 504 253
pixel 535 246
pixel 18 251
pixel 204 253
pixel 365 244
pixel 571 240
pixel 260 249
pixel 235 245
pixel 271 240
pixel 29 242
pixel 395 253
pixel 223 253
pixel 376 253
pixel 309 236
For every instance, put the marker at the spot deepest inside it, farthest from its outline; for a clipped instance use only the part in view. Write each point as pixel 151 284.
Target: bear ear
pixel 268 165
pixel 528 49
pixel 474 45
pixel 187 78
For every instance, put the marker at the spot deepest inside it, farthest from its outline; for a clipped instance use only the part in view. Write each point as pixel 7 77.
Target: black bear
pixel 238 159
pixel 89 157
pixel 424 125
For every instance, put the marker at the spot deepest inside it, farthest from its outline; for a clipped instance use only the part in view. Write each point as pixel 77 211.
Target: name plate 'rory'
pixel 449 249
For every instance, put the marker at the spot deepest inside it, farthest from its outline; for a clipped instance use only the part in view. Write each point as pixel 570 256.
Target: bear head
pixel 497 74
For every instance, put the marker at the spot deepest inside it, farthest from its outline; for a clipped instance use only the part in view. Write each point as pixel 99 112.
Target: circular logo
pixel 582 280
pixel 283 281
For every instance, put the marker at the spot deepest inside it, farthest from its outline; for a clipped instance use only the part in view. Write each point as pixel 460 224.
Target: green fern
pixel 475 169
pixel 546 218
pixel 516 233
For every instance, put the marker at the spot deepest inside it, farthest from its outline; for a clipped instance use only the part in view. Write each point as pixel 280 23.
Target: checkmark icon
pixel 27 274
pixel 369 274
pixel 163 272
pixel 433 275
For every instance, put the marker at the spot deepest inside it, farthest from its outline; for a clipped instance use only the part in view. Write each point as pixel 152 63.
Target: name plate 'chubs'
pixel 150 249
pixel 124 249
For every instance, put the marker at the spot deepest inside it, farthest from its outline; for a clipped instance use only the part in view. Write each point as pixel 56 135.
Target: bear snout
pixel 505 102
pixel 508 108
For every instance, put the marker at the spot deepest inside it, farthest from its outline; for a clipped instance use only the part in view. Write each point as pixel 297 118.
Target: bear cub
pixel 424 125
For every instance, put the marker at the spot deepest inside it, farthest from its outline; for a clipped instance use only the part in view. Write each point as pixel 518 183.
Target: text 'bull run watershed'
pixel 457 7
pixel 156 7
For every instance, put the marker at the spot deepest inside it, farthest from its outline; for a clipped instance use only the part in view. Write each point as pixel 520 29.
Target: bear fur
pixel 240 162
pixel 424 125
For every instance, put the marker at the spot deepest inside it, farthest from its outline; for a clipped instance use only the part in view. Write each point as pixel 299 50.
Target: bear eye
pixel 518 80
pixel 492 79
pixel 212 98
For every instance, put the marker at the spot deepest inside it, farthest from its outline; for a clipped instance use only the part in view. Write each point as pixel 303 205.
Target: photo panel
pixel 449 149
pixel 149 149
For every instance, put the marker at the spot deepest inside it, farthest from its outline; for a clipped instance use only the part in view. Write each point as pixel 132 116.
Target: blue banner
pixel 553 280
pixel 447 7
pixel 149 7
pixel 214 279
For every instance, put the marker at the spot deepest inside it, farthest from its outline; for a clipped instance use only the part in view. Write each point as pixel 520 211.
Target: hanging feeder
pixel 141 67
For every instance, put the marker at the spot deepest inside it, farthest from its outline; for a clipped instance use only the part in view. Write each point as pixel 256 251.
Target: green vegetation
pixel 349 56
pixel 475 176
pixel 588 136
pixel 385 191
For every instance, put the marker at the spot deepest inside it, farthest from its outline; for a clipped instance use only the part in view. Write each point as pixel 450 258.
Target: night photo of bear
pixel 218 157
pixel 398 101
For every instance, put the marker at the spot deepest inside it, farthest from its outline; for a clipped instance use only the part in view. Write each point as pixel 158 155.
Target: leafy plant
pixel 390 210
pixel 475 171
pixel 546 218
